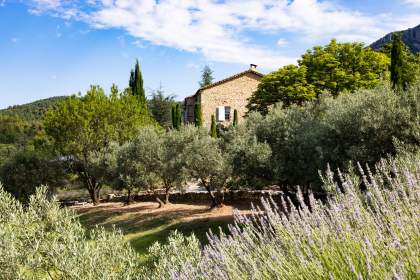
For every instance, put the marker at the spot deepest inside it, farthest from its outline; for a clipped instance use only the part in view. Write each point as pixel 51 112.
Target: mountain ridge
pixel 410 36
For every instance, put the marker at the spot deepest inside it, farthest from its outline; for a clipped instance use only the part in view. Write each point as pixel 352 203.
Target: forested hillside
pixel 35 110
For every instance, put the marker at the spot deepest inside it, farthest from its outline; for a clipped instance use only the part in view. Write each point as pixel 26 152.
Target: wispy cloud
pixel 413 2
pixel 217 29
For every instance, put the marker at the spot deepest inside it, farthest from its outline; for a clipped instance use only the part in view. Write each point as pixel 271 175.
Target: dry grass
pixel 144 223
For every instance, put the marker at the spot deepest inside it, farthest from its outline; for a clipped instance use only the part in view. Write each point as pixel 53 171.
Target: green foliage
pixel 248 157
pixel 334 68
pixel 33 111
pixel 83 127
pixel 235 118
pixel 213 130
pixel 355 235
pixel 139 160
pixel 42 241
pixel 198 115
pixel 176 116
pixel 397 63
pixel 339 67
pixel 160 107
pixel 27 169
pixel 137 88
pixel 362 126
pixel 405 66
pixel 206 76
pixel 206 162
pixel 288 85
pixel 159 266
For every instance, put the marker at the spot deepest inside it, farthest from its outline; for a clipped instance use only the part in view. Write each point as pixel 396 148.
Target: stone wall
pixel 233 93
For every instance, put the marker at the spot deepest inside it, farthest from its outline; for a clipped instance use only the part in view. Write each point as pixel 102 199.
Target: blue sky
pixel 60 47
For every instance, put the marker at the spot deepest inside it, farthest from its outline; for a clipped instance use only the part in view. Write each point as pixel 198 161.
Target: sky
pixel 61 47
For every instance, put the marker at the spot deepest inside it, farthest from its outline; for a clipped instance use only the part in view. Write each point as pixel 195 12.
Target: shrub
pixel 371 234
pixel 351 127
pixel 42 241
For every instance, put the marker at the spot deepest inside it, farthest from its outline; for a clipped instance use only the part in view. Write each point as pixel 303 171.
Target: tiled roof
pixel 228 79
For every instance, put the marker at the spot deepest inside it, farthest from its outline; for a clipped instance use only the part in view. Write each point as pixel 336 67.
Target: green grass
pixel 142 229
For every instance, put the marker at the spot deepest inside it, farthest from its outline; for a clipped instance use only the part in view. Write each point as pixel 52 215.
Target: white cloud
pixel 413 2
pixel 217 28
pixel 282 42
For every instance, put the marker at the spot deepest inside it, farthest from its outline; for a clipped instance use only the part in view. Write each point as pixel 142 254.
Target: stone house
pixel 223 97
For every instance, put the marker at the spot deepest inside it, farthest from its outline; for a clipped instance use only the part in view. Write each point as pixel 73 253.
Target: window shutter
pixel 220 112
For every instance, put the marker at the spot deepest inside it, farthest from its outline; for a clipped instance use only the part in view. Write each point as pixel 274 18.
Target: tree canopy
pixel 334 68
pixel 206 76
pixel 83 127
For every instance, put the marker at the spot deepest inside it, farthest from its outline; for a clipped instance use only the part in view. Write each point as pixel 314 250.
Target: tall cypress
pixel 173 116
pixel 176 116
pixel 198 115
pixel 397 63
pixel 235 117
pixel 213 131
pixel 137 87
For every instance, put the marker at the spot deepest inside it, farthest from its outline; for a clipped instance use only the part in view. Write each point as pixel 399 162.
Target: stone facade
pixel 222 98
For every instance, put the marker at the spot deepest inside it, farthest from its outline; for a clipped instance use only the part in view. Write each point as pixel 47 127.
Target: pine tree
pixel 137 87
pixel 213 131
pixel 206 76
pixel 198 115
pixel 397 63
pixel 235 117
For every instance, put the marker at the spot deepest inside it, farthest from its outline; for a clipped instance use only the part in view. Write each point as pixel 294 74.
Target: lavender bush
pixel 371 234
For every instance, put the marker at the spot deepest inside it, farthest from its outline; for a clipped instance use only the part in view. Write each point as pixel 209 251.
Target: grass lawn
pixel 144 223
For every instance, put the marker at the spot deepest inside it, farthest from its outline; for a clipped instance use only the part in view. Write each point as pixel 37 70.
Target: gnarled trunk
pixel 94 195
pixel 167 189
pixel 216 200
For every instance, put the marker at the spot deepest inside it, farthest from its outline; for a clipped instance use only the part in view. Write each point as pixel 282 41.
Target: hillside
pixel 35 110
pixel 411 38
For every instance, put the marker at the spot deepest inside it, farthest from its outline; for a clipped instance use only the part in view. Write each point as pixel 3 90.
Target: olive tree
pixel 138 162
pixel 207 163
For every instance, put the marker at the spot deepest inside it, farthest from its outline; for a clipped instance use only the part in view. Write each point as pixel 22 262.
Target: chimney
pixel 253 67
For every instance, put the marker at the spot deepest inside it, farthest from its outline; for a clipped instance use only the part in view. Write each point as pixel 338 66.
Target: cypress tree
pixel 397 63
pixel 137 87
pixel 235 117
pixel 173 116
pixel 213 131
pixel 198 115
pixel 178 116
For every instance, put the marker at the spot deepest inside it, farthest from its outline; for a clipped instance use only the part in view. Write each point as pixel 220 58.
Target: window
pixel 227 113
pixel 223 113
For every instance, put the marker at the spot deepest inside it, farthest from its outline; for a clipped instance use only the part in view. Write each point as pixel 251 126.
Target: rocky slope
pixel 411 38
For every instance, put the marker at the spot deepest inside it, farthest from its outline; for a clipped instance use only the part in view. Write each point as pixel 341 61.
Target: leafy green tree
pixel 287 85
pixel 339 67
pixel 198 115
pixel 235 117
pixel 138 162
pixel 28 169
pixel 213 128
pixel 160 107
pixel 137 88
pixel 206 76
pixel 334 68
pixel 207 163
pixel 82 128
